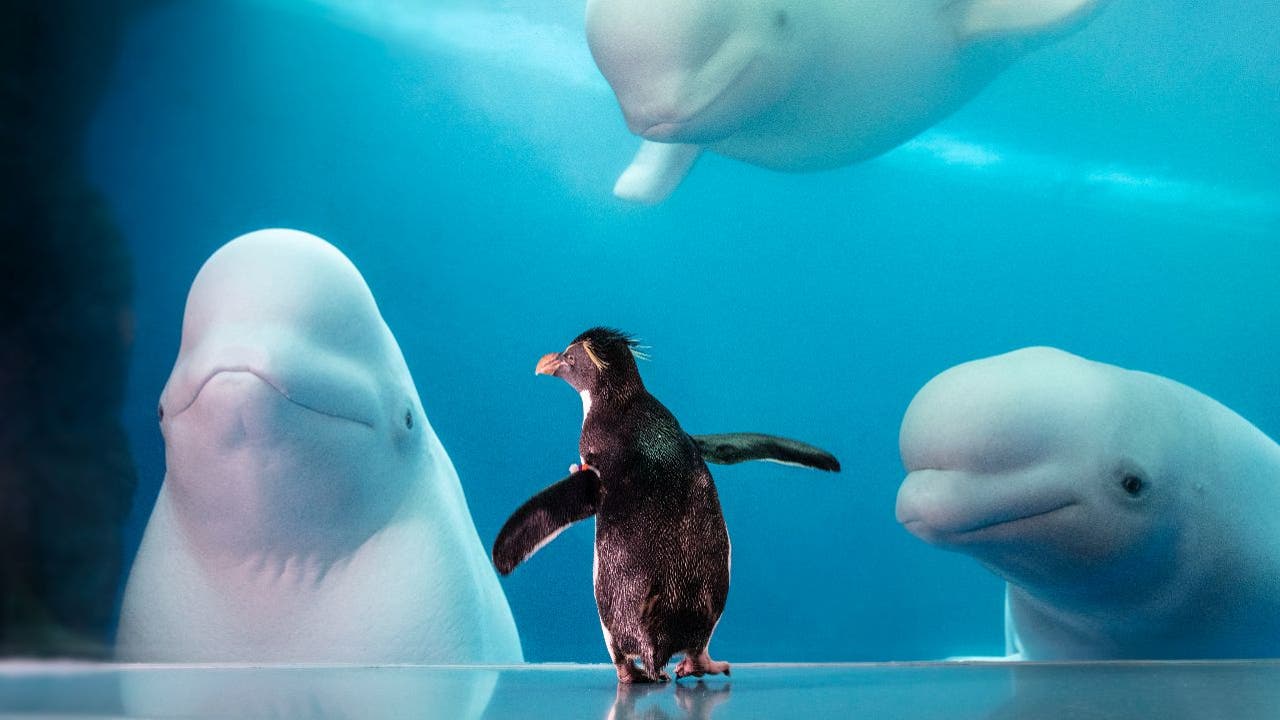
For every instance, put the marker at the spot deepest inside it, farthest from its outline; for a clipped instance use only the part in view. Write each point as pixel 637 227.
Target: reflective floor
pixel 933 690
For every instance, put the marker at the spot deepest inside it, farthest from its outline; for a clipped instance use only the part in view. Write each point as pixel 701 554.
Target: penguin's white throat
pixel 586 404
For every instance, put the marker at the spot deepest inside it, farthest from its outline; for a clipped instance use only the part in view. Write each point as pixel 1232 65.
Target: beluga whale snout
pixel 1125 511
pixel 649 50
pixel 309 512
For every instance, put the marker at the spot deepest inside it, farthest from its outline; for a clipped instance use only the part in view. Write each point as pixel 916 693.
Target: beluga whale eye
pixel 1132 484
pixel 408 419
pixel 160 412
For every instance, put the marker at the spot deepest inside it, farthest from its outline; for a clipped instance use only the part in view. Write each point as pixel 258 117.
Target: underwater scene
pixel 920 359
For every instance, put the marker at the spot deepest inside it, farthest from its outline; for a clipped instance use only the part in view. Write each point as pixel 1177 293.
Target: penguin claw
pixel 700 666
pixel 629 674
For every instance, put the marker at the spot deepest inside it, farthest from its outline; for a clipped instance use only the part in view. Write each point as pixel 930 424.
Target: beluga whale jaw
pixel 800 85
pixel 230 372
pixel 308 512
pixel 1122 508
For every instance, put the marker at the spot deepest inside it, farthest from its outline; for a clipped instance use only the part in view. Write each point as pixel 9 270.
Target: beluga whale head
pixel 693 71
pixel 290 419
pixel 1124 509
pixel 1020 461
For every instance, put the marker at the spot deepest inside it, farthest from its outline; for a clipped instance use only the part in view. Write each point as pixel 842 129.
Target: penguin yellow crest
pixel 595 359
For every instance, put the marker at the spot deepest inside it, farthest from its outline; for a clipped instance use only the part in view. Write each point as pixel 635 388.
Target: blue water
pixel 1116 195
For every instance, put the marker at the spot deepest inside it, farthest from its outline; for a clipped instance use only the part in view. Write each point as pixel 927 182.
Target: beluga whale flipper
pixel 1132 517
pixel 800 85
pixel 309 512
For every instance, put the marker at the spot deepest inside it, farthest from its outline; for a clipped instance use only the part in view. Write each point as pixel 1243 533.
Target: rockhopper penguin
pixel 661 548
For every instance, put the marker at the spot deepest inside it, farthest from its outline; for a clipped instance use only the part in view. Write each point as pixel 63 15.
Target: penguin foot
pixel 699 665
pixel 628 673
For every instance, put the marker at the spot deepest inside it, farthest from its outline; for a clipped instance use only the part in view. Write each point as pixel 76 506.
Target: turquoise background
pixel 1116 194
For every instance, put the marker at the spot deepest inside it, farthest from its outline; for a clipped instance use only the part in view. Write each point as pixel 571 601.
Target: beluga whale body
pixel 800 85
pixel 309 512
pixel 1131 516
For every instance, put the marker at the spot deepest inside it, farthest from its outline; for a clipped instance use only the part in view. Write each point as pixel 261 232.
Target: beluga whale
pixel 801 85
pixel 1131 516
pixel 308 512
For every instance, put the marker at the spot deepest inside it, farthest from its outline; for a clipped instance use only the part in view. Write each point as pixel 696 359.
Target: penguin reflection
pixel 695 702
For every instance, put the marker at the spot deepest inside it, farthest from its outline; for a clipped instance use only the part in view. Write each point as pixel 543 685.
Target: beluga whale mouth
pixel 695 115
pixel 954 507
pixel 685 74
pixel 247 372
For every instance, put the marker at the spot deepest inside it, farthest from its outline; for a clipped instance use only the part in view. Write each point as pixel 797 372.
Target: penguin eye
pixel 1132 484
pixel 408 419
pixel 568 359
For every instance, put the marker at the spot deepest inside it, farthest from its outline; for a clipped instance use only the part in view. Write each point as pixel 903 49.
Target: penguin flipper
pixel 730 448
pixel 544 516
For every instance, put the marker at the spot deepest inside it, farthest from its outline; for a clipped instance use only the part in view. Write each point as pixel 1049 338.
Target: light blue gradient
pixel 1114 195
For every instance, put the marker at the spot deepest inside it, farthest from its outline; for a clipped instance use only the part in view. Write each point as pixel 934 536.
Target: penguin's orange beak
pixel 549 364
